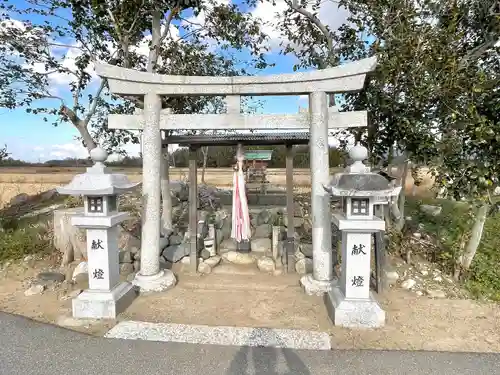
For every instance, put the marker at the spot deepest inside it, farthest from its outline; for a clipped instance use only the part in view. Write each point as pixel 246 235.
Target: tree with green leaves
pixel 37 39
pixel 435 93
pixel 3 153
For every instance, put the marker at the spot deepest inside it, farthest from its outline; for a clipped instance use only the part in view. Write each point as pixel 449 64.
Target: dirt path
pixel 414 323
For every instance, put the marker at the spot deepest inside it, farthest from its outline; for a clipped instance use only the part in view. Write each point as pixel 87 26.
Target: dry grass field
pixel 34 180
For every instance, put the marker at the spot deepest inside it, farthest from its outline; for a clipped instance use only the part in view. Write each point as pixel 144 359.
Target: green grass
pixel 16 244
pixel 451 230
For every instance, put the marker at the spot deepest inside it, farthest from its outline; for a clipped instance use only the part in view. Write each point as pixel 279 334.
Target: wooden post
pixel 193 210
pixel 290 234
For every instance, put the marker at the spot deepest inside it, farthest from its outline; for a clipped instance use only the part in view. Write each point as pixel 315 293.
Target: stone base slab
pixel 162 281
pixel 353 313
pixel 237 336
pixel 93 304
pixel 314 287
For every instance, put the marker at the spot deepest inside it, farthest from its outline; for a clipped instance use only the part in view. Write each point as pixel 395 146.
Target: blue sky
pixel 29 138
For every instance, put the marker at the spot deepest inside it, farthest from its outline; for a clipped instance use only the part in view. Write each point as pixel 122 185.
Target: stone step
pixel 221 335
pixel 256 282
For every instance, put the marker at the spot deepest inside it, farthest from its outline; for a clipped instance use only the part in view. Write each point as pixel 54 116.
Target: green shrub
pixel 484 277
pixel 73 201
pixel 15 244
pixel 451 230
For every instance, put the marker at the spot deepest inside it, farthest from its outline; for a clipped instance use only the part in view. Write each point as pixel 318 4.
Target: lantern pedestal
pixel 106 296
pixel 99 304
pixel 351 304
pixel 351 313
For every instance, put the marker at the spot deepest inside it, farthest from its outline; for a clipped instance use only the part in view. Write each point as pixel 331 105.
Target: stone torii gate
pixel 316 84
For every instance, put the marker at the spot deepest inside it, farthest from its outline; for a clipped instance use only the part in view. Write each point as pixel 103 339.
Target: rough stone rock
pixel 438 278
pixel 297 221
pixel 298 255
pixel 164 242
pixel 205 254
pixel 278 272
pixel 391 277
pixel 238 258
pixel 436 293
pixel 165 264
pixel 82 280
pixel 218 237
pixel 180 190
pixel 125 256
pixel 408 284
pixel 430 210
pixel 204 268
pixel 126 269
pixel 180 214
pixel 226 228
pixel 306 249
pixel 69 240
pixel 260 245
pixel 227 245
pixel 128 242
pixel 213 261
pixel 266 264
pixel 175 239
pixel 304 266
pixel 19 199
pixel 51 276
pixel 174 253
pixel 81 268
pixel 49 195
pixel 263 231
pixel 264 217
pixel 72 294
pixel 34 290
pixel 137 266
pixel 220 217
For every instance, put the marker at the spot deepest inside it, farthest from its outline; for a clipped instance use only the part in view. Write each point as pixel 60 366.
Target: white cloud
pixel 76 150
pixel 329 14
pixel 67 53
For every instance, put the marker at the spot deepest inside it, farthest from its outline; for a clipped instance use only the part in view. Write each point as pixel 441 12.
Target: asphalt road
pixel 29 348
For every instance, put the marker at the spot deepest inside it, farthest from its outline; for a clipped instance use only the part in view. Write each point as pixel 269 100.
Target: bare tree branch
pixel 93 107
pixel 317 22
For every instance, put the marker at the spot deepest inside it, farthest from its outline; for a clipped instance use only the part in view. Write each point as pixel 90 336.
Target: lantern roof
pixel 98 180
pixel 359 181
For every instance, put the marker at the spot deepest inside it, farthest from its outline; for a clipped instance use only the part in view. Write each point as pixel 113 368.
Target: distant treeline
pixel 217 157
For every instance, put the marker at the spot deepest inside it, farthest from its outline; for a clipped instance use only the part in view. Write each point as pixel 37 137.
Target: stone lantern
pixel 106 296
pixel 350 303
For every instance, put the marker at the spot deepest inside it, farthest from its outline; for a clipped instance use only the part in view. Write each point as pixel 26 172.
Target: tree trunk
pixel 80 125
pixel 475 238
pixel 204 151
pixel 402 197
pixel 88 141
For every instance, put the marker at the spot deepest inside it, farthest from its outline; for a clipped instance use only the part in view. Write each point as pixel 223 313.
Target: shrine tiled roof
pixel 275 138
